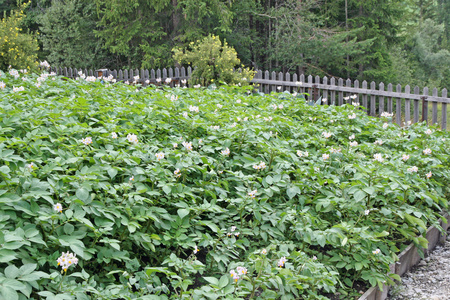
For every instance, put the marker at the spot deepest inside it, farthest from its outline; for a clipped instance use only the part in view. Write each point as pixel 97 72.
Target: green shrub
pixel 17 49
pixel 213 62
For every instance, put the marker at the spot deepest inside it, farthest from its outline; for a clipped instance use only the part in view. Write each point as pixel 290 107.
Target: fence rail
pixel 407 105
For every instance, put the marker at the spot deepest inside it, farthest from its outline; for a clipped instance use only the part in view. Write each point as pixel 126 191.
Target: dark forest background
pixel 406 42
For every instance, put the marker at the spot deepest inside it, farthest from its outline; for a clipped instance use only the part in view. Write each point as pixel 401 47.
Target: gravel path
pixel 429 280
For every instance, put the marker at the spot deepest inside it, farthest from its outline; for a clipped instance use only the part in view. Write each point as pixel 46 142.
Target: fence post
pixel 444 111
pixel 389 101
pixel 398 106
pixel 332 92
pixel 340 93
pixel 381 103
pixel 425 105
pixel 407 105
pixel 364 97
pixel 372 100
pixel 416 105
pixel 325 91
pixel 434 104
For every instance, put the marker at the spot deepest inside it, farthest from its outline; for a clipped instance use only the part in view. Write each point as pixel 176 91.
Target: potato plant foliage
pixel 208 193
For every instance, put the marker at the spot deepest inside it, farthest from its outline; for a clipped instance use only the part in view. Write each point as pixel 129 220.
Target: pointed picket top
pixel 364 84
pixel 287 77
pixel 425 91
pixel 183 72
pixel 381 86
pixel 280 76
pixel 302 78
pixel 435 92
pixel 120 77
pixel 125 75
pixel 372 85
pixel 274 76
pixel 295 77
pixel 333 81
pixel 170 72
pixel 325 80
pixel 142 75
pixel 146 74
pixel 158 74
pixel 444 93
pixel 340 82
pixel 310 79
pixel 399 88
pixel 266 75
pixel 164 73
pixel 317 80
pixel 75 71
pixel 348 82
pixel 152 74
pixel 407 89
pixel 356 84
pixel 189 71
pixel 131 74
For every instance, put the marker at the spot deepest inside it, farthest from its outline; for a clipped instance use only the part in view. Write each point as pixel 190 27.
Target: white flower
pixel 280 106
pixel 413 169
pixel 195 249
pixel 183 81
pixel 158 80
pixel 325 156
pixel 252 194
pixel 132 138
pixel 279 87
pixel 44 64
pixel 353 144
pixel 387 115
pixel 274 106
pixel 175 145
pixel 194 108
pixel 376 251
pixel 177 173
pixel 66 260
pixel 197 86
pixel 314 257
pixel 159 156
pixel 241 270
pixel 428 131
pixel 234 275
pixel 87 140
pixel 187 146
pixel 298 83
pixel 261 166
pixel 355 104
pixel 225 152
pixel 57 207
pixel 352 116
pixel 185 114
pixel 378 157
pixel 367 211
pixel 233 228
pixel 93 79
pixel 219 105
pixel 114 135
pixel 378 142
pixel 346 98
pixel 168 80
pixel 427 151
pixel 405 157
pixel 215 127
pixel 326 134
pixel 353 96
pixel 238 101
pixel 302 153
pixel 385 125
pixel 281 262
pixel 173 98
pixel 30 166
pixel 324 100
pixel 19 89
pixel 2 85
pixel 333 150
pixel 429 174
pixel 351 137
pixel 147 81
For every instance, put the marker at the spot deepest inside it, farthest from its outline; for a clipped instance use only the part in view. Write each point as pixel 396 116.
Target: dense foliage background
pixel 395 41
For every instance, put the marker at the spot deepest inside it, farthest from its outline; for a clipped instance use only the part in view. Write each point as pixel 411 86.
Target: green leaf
pixel 68 228
pixel 12 271
pixel 167 189
pixel 112 172
pixel 82 194
pixel 358 266
pixel 212 280
pixel 344 241
pixel 8 293
pixel 183 212
pixel 359 195
pixel 223 281
pixel 27 269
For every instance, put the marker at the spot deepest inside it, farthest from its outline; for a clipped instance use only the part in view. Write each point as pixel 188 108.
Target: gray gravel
pixel 429 280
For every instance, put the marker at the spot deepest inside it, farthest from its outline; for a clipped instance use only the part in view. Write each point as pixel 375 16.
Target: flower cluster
pixel 14 73
pixel 387 115
pixel 378 157
pixel 428 131
pixel 44 64
pixel 378 142
pixel 113 135
pixel 302 153
pixel 2 85
pixel 239 272
pixel 377 251
pixel 159 156
pixel 132 138
pixel 277 106
pixel 281 262
pixel 66 260
pixel 325 156
pixel 252 194
pixel 352 116
pixel 353 144
pixel 18 89
pixel 352 137
pixel 195 250
pixel 177 173
pixel 333 150
pixel 91 79
pixel 233 228
pixel 367 211
pixel 413 169
pixel 385 125
pixel 187 146
pixel 350 97
pixel 226 152
pixel 405 157
pixel 326 134
pixel 261 166
pixel 429 174
pixel 427 151
pixel 30 166
pixel 216 127
pixel 87 140
pixel 194 108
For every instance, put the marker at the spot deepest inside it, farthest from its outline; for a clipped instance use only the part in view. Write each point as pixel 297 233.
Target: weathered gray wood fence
pixel 408 105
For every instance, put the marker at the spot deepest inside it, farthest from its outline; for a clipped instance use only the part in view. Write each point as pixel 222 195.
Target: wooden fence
pixel 408 105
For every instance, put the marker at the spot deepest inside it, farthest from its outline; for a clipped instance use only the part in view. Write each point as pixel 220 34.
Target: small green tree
pixel 17 49
pixel 213 61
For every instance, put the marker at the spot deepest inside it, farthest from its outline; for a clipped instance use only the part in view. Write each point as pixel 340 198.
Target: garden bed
pixel 205 193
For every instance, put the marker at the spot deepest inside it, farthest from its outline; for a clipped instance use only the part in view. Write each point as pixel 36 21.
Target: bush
pixel 17 49
pixel 213 62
